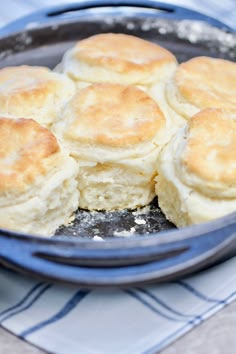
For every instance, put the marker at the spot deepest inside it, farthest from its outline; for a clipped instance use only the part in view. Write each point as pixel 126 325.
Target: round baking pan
pixel 138 246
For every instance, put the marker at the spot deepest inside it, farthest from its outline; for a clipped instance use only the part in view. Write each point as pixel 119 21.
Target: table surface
pixel 215 336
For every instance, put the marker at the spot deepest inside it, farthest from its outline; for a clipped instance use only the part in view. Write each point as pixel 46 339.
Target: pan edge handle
pixel 164 10
pixel 23 258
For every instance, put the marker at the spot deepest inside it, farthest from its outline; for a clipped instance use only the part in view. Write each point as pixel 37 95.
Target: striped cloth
pixel 138 320
pixel 141 320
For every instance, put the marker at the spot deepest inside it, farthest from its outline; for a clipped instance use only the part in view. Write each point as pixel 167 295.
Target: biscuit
pixel 33 92
pixel 197 169
pixel 38 186
pixel 117 58
pixel 115 133
pixel 174 121
pixel 197 84
pixel 201 83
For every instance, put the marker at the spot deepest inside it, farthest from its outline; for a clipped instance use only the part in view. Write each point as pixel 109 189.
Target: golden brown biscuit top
pixel 121 53
pixel 27 151
pixel 113 115
pixel 207 82
pixel 26 85
pixel 209 152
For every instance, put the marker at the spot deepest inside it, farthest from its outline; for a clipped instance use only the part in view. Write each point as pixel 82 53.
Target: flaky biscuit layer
pixel 201 83
pixel 115 133
pixel 118 58
pixel 111 115
pixel 37 178
pixel 33 92
pixel 197 169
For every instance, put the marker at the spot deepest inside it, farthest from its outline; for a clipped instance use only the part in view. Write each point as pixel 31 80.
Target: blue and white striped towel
pixel 66 320
pixel 138 320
